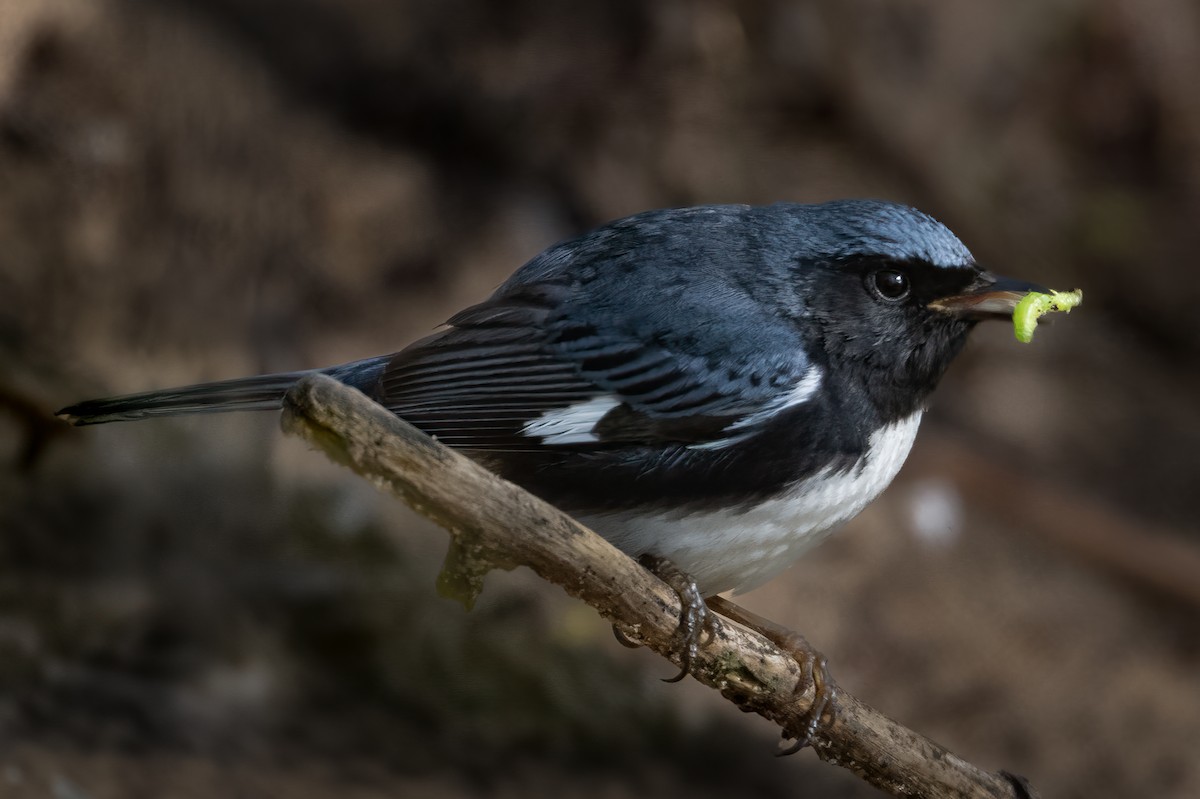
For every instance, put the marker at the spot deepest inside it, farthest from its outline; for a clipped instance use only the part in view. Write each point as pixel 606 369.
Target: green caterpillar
pixel 1035 304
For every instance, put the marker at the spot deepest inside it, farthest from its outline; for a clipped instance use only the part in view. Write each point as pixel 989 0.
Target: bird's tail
pixel 260 392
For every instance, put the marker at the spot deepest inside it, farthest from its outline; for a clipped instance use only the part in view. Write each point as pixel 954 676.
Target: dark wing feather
pixel 477 384
pixel 506 363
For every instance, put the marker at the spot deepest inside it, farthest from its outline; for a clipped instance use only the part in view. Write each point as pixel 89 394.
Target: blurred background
pixel 197 189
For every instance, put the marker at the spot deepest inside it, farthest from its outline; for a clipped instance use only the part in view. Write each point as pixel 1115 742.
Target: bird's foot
pixel 814 670
pixel 693 615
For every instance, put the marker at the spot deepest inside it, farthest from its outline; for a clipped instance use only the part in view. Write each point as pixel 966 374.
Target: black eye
pixel 890 284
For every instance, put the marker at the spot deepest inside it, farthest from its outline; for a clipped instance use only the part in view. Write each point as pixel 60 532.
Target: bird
pixel 720 386
pixel 715 387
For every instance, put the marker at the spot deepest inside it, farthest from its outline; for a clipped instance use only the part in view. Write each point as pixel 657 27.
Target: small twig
pixel 494 523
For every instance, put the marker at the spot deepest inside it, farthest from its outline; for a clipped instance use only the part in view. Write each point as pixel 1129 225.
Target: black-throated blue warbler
pixel 717 386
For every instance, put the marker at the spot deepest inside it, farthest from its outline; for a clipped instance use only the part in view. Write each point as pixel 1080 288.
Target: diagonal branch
pixel 495 524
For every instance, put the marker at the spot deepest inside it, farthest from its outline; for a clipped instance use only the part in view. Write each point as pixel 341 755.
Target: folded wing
pixel 517 374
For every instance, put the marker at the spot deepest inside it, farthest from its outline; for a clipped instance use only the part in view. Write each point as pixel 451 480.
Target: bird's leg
pixel 693 615
pixel 814 668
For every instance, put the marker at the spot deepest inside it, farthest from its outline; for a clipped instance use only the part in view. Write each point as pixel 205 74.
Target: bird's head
pixel 893 295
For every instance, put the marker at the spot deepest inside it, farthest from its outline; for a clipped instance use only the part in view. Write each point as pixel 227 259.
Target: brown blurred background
pixel 195 189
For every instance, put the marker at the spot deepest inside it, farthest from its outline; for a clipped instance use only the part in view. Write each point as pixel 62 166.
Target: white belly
pixel 741 549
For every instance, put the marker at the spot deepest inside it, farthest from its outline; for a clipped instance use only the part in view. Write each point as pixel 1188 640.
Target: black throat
pixel 890 356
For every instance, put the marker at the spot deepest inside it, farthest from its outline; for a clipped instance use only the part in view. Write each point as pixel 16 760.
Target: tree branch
pixel 495 524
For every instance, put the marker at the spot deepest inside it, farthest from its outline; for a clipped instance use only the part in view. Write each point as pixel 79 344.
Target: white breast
pixel 742 549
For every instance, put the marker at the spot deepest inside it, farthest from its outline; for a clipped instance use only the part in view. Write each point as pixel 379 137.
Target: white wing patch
pixel 574 424
pixel 802 392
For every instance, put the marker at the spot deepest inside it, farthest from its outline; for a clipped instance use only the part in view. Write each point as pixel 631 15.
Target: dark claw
pixel 683 672
pixel 793 749
pixel 1021 787
pixel 814 670
pixel 623 639
pixel 693 616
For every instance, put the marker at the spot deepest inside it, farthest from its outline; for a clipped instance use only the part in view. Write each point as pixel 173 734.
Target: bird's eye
pixel 890 284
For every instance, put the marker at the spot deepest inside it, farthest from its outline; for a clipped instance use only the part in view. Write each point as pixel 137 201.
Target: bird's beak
pixel 990 297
